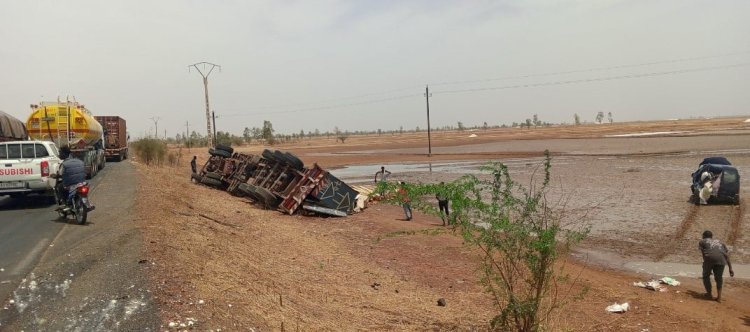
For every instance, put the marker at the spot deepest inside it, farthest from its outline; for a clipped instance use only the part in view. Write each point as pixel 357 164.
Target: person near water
pixel 383 174
pixel 403 196
pixel 443 205
pixel 715 257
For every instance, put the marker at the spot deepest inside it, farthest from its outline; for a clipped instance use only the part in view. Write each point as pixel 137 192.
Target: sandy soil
pixel 230 265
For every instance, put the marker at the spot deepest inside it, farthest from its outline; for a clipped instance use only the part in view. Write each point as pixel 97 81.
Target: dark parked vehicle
pixel 724 177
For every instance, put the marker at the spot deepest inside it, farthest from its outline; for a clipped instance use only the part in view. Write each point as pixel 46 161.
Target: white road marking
pixel 26 261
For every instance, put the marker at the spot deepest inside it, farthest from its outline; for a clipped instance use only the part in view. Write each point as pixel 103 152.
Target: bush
pixel 150 151
pixel 519 235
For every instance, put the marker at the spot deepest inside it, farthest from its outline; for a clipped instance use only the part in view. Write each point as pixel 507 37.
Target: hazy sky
pixel 363 65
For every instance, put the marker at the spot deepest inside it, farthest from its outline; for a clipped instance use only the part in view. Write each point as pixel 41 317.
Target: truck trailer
pixel 115 137
pixel 72 124
pixel 11 129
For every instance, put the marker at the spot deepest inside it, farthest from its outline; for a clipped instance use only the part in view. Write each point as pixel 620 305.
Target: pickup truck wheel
pixel 220 153
pixel 223 147
pixel 211 182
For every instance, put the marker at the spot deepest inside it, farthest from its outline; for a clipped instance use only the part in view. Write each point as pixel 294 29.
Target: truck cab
pixel 26 166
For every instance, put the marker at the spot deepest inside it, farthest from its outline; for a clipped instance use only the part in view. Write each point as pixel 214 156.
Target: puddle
pixel 366 173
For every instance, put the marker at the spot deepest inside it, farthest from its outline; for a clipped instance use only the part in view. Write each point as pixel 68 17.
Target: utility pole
pixel 187 135
pixel 213 115
pixel 205 89
pixel 427 96
pixel 156 119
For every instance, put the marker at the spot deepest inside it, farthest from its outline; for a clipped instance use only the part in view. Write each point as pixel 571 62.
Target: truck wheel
pixel 293 161
pixel 213 176
pixel 279 156
pixel 269 198
pixel 223 147
pixel 220 153
pixel 104 163
pixel 195 178
pixel 211 182
pixel 267 154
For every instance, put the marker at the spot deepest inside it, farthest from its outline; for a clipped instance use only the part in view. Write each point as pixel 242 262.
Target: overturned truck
pixel 277 180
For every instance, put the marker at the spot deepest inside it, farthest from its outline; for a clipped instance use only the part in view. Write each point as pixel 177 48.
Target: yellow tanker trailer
pixel 69 123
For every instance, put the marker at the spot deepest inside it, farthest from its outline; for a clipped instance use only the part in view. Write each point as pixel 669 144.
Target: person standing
pixel 193 165
pixel 403 195
pixel 383 174
pixel 715 256
pixel 443 204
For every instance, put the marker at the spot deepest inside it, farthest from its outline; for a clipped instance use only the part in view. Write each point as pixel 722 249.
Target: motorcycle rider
pixel 73 173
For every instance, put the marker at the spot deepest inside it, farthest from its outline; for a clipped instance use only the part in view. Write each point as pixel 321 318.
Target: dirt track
pixel 373 271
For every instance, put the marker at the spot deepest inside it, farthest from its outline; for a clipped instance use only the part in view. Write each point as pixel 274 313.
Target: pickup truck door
pixel 17 165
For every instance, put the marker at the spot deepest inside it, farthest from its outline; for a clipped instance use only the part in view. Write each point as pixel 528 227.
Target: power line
pixel 321 108
pixel 578 71
pixel 596 79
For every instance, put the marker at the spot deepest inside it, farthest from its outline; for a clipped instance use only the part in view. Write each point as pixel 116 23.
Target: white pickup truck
pixel 25 167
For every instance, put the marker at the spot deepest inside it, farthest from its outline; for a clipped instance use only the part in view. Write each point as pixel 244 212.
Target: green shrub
pixel 520 237
pixel 150 151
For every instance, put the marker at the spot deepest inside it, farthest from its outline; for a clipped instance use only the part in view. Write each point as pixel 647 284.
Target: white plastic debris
pixel 669 281
pixel 2 269
pixel 201 302
pixel 11 301
pixel 652 285
pixel 473 135
pixel 172 324
pixel 619 308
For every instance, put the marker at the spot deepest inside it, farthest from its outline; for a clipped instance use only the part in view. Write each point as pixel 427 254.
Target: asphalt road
pixel 60 276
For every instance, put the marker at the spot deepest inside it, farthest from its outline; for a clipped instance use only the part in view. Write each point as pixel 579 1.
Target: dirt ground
pixel 219 262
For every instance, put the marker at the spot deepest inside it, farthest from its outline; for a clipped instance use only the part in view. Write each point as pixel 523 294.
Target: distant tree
pixel 268 132
pixel 401 130
pixel 247 134
pixel 461 126
pixel 317 132
pixel 485 126
pixel 599 117
pixel 577 119
pixel 416 129
pixel 380 131
pixel 536 121
pixel 609 117
pixel 528 123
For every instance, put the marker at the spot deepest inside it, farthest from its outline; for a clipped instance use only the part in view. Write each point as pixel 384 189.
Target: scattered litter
pixel 2 269
pixel 201 301
pixel 172 324
pixel 748 120
pixel 652 285
pixel 669 281
pixel 11 301
pixel 619 308
pixel 441 302
pixel 473 135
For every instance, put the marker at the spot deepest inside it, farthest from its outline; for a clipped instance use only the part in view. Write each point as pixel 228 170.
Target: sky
pixel 364 65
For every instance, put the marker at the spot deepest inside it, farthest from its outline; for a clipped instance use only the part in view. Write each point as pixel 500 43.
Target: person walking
pixel 383 174
pixel 403 196
pixel 193 165
pixel 715 256
pixel 443 205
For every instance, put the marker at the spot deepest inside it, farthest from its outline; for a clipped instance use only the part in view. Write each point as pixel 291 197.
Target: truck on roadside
pixel 11 129
pixel 115 137
pixel 26 166
pixel 72 124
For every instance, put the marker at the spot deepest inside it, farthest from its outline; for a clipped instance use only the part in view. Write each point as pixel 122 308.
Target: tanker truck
pixel 72 124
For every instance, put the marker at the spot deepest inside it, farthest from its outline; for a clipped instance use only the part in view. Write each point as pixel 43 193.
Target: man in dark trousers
pixel 193 165
pixel 442 204
pixel 715 256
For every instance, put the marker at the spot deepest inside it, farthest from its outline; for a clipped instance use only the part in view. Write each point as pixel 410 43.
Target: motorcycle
pixel 76 203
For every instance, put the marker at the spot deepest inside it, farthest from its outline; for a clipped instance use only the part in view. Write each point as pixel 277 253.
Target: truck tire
pixel 249 191
pixel 267 154
pixel 270 200
pixel 223 147
pixel 220 153
pixel 211 182
pixel 213 176
pixel 196 178
pixel 293 161
pixel 279 156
